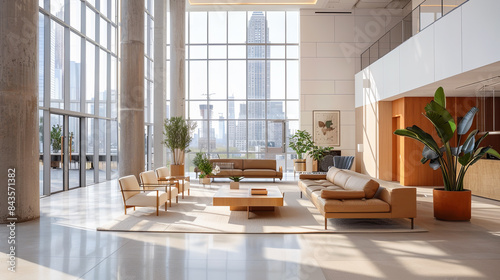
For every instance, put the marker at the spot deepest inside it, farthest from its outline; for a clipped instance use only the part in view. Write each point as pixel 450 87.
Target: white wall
pixel 331 46
pixel 463 40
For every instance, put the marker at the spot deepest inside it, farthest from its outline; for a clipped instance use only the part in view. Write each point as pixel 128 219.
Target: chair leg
pixel 166 206
pixel 411 219
pixel 189 191
pixel 301 194
pixel 176 199
pixel 125 210
pixel 326 224
pixel 274 180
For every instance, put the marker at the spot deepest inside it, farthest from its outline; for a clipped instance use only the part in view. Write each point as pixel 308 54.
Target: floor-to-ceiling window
pixel 77 93
pixel 148 83
pixel 242 73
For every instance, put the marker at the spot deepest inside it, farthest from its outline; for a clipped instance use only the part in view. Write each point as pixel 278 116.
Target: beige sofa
pixel 248 168
pixel 348 194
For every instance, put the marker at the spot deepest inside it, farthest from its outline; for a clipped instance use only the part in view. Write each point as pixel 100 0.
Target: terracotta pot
pixel 177 170
pixel 299 164
pixel 234 185
pixel 452 206
pixel 315 165
pixel 205 181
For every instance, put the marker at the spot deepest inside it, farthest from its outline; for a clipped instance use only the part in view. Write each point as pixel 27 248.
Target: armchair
pixel 163 172
pixel 149 181
pixel 133 196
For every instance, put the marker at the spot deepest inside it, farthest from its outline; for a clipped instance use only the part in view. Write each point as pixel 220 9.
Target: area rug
pixel 196 214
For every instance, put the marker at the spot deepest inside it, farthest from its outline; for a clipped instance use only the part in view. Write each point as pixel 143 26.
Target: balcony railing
pixel 417 20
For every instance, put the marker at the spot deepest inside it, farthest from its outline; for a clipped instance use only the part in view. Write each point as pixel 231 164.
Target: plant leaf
pixel 434 164
pixel 441 119
pixel 479 155
pixel 480 140
pixel 493 153
pixel 455 151
pixel 439 97
pixel 469 143
pixel 418 134
pixel 464 160
pixel 466 122
pixel 429 154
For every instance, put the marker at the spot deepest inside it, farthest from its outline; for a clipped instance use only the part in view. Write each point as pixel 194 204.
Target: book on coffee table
pixel 258 191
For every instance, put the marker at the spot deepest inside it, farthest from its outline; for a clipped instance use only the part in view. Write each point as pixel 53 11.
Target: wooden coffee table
pixel 241 199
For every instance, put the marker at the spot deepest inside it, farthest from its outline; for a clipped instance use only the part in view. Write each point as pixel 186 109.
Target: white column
pixel 19 136
pixel 131 100
pixel 160 80
pixel 177 58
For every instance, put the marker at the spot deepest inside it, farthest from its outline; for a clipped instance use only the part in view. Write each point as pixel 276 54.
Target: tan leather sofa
pixel 248 168
pixel 348 194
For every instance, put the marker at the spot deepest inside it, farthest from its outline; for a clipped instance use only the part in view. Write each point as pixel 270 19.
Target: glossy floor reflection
pixel 63 244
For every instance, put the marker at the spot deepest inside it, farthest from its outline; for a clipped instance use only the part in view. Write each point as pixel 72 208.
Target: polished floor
pixel 63 244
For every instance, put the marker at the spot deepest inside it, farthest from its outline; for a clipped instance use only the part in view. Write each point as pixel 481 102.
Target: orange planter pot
pixel 452 206
pixel 177 170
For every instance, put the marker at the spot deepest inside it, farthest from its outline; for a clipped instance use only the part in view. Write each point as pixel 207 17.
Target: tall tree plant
pixel 444 155
pixel 177 132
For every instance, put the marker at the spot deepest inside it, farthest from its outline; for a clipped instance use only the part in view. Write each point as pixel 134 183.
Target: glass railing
pixel 417 20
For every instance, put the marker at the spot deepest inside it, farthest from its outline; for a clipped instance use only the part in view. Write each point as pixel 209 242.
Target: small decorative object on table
pixel 236 182
pixel 259 191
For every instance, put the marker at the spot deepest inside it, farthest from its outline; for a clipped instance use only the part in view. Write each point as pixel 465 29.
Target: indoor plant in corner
pixel 177 132
pixel 300 142
pixel 235 184
pixel 451 203
pixel 203 163
pixel 318 153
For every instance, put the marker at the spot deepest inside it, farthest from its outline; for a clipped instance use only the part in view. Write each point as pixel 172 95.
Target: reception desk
pixel 483 178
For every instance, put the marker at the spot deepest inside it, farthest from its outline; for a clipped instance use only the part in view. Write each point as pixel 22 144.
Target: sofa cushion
pixel 331 173
pixel 342 194
pixel 259 172
pixel 361 183
pixel 259 164
pixel 341 178
pixel 373 205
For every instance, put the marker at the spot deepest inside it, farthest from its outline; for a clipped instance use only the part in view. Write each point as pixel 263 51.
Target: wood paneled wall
pixel 410 111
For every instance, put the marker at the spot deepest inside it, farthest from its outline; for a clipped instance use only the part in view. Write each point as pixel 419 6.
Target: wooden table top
pixel 242 197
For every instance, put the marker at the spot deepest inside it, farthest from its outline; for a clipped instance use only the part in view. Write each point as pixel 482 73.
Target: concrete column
pixel 177 58
pixel 19 111
pixel 131 104
pixel 160 77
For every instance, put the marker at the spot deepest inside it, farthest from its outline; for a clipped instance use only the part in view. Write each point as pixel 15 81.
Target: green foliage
pixel 203 163
pixel 55 137
pixel 236 178
pixel 301 142
pixel 177 132
pixel 318 153
pixel 446 157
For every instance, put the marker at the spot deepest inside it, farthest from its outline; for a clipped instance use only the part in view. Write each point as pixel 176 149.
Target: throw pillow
pixel 361 183
pixel 224 165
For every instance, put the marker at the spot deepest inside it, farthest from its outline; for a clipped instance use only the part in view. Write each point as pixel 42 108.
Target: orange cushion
pixel 341 194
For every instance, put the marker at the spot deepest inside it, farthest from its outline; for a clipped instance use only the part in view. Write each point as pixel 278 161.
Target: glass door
pixel 73 149
pixel 275 146
pixel 56 153
pixel 65 150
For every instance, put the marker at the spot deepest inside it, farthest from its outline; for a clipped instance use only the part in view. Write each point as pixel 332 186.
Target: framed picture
pixel 326 128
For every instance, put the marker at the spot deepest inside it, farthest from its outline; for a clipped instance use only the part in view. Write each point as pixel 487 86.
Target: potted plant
pixel 317 153
pixel 235 184
pixel 452 202
pixel 300 142
pixel 177 132
pixel 203 163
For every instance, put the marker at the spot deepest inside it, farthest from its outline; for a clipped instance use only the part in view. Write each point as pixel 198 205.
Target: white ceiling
pixel 296 4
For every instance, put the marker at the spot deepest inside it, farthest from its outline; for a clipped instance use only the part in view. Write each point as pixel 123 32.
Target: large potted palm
pixel 300 142
pixel 453 202
pixel 177 132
